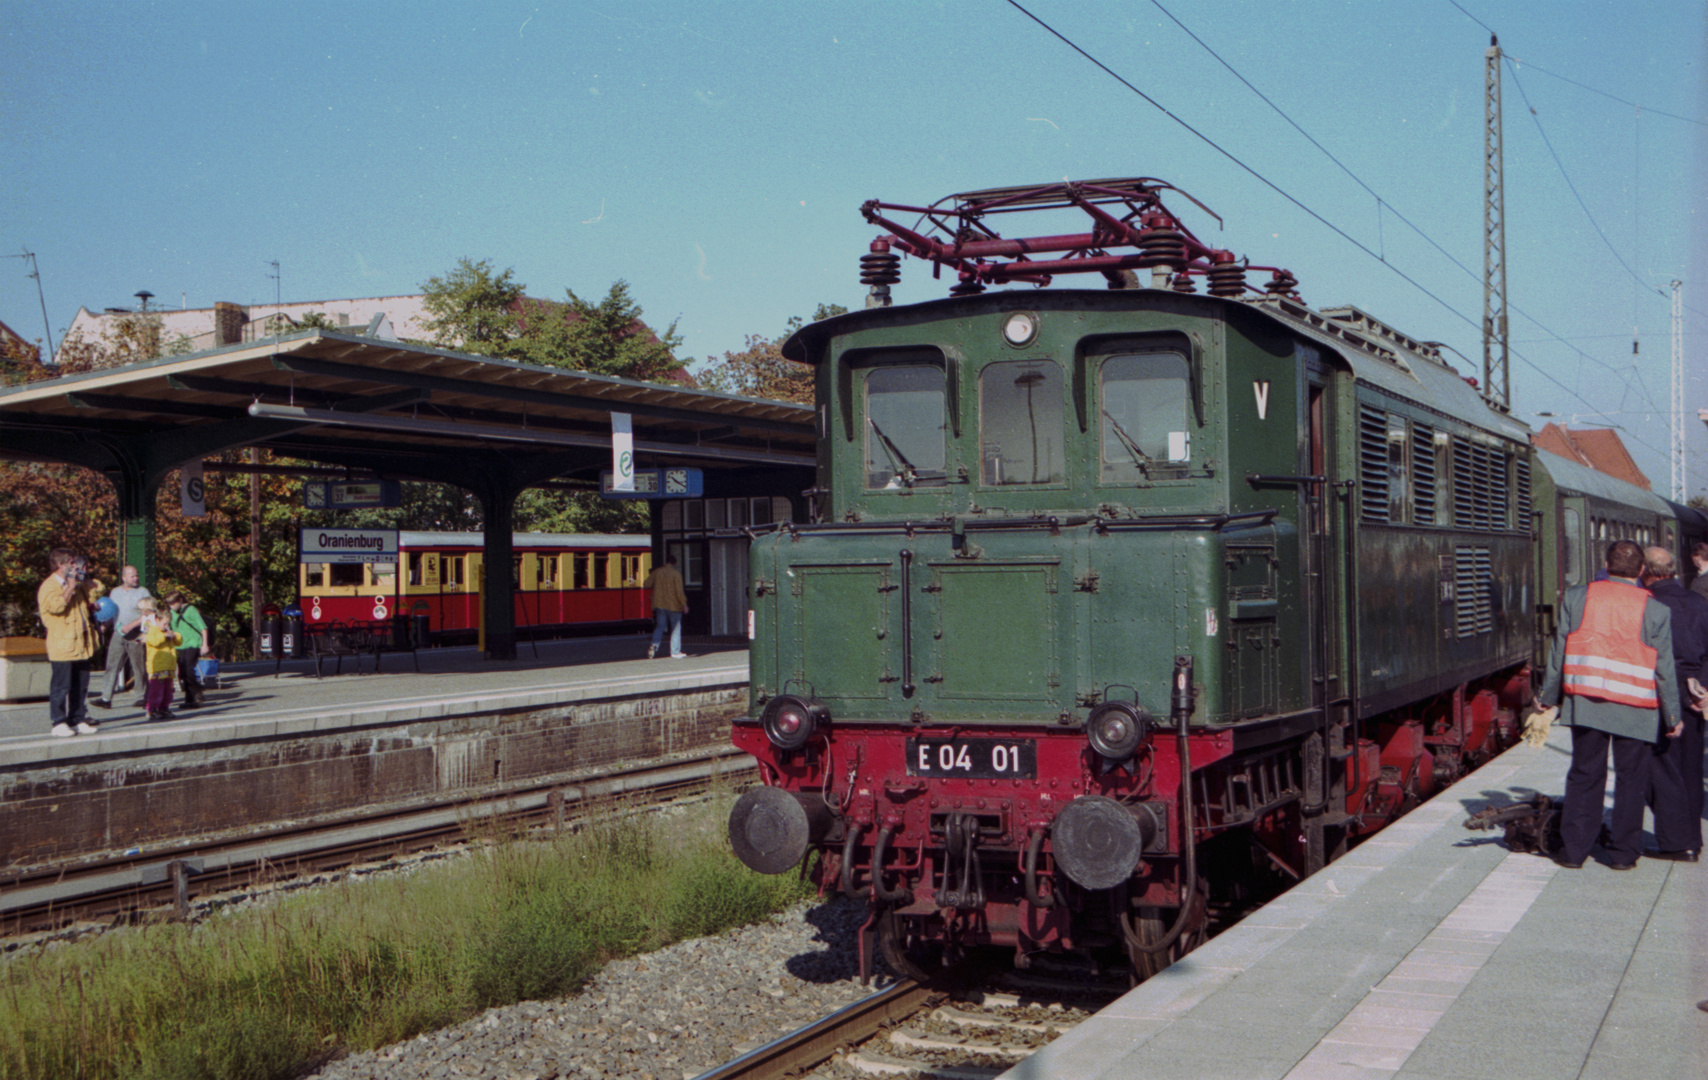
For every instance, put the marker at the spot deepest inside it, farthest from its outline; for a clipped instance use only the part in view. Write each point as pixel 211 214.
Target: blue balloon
pixel 106 610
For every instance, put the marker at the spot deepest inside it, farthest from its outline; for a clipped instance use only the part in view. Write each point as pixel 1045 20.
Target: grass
pixel 273 990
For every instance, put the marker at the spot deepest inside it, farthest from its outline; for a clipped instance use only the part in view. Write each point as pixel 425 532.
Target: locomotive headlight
pixel 790 720
pixel 1117 729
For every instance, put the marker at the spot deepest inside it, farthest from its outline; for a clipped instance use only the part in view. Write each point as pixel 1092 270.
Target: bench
pixel 358 639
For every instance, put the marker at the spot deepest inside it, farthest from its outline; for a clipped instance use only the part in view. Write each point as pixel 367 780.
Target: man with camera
pixel 72 639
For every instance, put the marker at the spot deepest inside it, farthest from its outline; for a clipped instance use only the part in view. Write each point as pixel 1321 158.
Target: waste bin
pixel 290 638
pixel 421 623
pixel 269 644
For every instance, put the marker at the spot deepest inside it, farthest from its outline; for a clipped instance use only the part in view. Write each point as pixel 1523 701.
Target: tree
pixel 607 338
pixel 473 310
pixel 761 370
pixel 476 311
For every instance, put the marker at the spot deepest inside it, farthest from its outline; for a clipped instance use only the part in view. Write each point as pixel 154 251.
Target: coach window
pixel 346 574
pixel 415 568
pixel 905 410
pixel 547 572
pixel 1021 436
pixel 1146 407
pixel 454 570
pixel 314 575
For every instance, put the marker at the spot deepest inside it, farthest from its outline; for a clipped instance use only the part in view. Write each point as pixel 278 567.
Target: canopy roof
pixel 340 397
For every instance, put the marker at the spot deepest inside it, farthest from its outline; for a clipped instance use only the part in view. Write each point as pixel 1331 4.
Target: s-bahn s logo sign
pixel 622 452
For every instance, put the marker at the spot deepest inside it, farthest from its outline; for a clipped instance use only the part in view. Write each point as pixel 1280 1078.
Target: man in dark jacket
pixel 1675 775
pixel 1611 672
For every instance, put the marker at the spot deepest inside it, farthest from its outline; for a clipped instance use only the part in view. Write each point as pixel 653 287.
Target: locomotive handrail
pixel 1206 521
pixel 907 686
pixel 1256 479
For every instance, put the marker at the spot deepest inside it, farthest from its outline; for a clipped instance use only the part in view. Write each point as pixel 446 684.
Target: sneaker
pixel 84 727
pixel 63 731
pixel 164 715
pixel 101 703
pixel 678 656
pixel 651 651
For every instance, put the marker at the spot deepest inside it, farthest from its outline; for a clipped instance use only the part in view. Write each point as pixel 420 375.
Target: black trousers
pixel 1675 788
pixel 1586 784
pixel 187 677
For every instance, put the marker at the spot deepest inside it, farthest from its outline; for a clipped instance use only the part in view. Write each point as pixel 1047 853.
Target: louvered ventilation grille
pixel 1463 499
pixel 1473 582
pixel 1373 463
pixel 1423 474
pixel 1521 470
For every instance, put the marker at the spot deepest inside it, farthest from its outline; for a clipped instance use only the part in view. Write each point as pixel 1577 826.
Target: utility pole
pixel 1497 389
pixel 1680 481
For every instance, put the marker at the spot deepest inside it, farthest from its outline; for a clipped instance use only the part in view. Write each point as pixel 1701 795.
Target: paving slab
pixel 1431 953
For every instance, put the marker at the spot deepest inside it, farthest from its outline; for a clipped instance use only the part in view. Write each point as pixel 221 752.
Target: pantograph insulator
pixel 1227 279
pixel 966 287
pixel 880 268
pixel 1182 282
pixel 1281 283
pixel 1162 247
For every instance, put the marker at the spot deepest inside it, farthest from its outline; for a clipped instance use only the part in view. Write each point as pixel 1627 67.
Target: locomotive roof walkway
pixel 1430 952
pixel 451 680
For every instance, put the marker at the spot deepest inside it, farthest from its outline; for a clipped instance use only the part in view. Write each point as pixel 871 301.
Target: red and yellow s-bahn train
pixel 565 583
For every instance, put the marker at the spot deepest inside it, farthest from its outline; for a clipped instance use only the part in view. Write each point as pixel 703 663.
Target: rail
pixel 800 1050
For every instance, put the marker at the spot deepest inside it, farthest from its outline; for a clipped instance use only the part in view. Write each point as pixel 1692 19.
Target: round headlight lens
pixel 790 721
pixel 1117 729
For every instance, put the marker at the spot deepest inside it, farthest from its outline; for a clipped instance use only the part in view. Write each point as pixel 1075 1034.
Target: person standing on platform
pixel 1675 775
pixel 1610 670
pixel 193 644
pixel 669 604
pixel 1699 558
pixel 125 650
pixel 72 638
pixel 161 645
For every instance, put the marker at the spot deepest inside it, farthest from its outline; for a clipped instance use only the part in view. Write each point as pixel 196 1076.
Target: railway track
pixel 126 886
pixel 908 1029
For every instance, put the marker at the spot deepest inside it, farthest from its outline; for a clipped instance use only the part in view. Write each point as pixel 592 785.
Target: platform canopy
pixel 493 427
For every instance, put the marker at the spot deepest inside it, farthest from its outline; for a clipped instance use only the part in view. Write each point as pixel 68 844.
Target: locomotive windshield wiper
pixel 1143 460
pixel 905 472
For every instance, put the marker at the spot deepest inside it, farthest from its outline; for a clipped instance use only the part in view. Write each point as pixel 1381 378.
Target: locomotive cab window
pixel 1021 436
pixel 1145 397
pixel 905 413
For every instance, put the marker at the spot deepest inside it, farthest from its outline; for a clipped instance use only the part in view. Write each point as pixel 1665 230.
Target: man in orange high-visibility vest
pixel 1611 672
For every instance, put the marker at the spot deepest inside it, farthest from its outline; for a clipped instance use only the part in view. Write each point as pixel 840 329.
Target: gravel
pixel 667 1015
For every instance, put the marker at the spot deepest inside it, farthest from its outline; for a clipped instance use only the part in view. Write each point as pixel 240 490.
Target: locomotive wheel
pixel 1149 924
pixel 907 956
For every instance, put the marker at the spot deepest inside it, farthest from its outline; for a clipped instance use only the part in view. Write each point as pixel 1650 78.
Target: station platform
pixel 252 696
pixel 1431 952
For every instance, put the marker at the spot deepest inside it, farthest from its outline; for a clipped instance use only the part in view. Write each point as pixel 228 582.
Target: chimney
pixel 228 323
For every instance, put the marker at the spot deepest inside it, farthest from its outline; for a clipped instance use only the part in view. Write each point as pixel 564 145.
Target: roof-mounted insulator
pixel 1162 247
pixel 1227 276
pixel 880 270
pixel 967 286
pixel 1182 283
pixel 1281 283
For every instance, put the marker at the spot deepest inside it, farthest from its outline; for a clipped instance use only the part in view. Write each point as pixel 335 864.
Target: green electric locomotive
pixel 1117 602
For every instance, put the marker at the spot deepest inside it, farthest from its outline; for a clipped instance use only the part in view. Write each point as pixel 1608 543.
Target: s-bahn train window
pixel 1570 523
pixel 905 444
pixel 1021 437
pixel 547 574
pixel 314 575
pixel 1146 409
pixel 346 574
pixel 415 577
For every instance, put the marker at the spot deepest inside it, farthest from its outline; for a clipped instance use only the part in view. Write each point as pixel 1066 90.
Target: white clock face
pixel 676 482
pixel 314 495
pixel 1019 328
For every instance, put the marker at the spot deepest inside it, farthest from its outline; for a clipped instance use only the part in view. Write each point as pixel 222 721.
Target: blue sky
pixel 715 155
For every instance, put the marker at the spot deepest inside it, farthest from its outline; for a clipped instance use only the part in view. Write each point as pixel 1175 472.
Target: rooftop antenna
pixel 36 273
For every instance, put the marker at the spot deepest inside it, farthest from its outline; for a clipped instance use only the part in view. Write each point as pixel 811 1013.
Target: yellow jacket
pixel 162 648
pixel 71 630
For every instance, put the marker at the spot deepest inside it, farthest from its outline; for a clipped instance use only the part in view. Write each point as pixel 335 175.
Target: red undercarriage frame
pixel 891 841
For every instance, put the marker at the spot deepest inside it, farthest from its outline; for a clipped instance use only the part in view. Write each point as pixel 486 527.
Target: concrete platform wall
pixel 94 797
